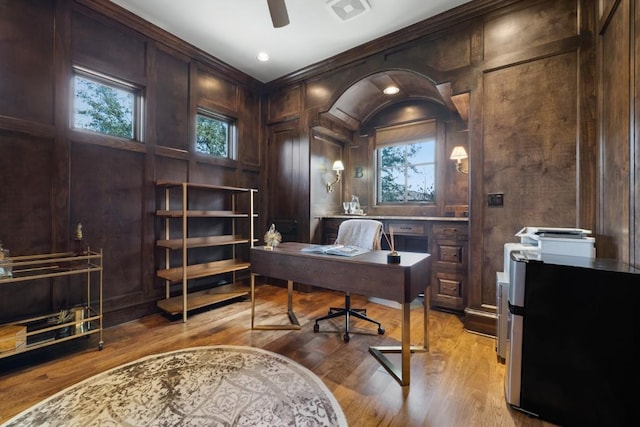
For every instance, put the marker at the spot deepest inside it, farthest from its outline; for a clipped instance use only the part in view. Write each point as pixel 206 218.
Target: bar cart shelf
pixel 81 320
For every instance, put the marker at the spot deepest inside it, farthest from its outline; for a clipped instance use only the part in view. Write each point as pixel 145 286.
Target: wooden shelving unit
pixel 179 211
pixel 36 332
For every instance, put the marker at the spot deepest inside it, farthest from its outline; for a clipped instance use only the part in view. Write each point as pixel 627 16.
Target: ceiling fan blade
pixel 278 11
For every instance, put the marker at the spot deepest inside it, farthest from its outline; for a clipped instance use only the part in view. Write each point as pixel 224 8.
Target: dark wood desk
pixel 367 274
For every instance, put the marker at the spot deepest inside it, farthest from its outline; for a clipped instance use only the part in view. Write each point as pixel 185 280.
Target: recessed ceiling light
pixel 391 90
pixel 263 56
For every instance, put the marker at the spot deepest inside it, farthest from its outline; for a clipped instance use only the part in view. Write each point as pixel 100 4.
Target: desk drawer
pixel 450 254
pixel 406 228
pixel 450 231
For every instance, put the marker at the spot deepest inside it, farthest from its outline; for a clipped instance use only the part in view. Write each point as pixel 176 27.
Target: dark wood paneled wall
pixel 618 167
pixel 528 68
pixel 54 177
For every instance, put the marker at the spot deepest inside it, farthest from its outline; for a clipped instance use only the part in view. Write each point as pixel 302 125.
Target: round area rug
pixel 200 386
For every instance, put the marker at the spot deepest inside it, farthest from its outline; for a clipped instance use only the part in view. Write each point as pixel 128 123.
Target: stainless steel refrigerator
pixel 573 325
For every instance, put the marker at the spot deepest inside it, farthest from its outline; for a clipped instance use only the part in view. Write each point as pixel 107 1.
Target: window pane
pixel 213 136
pixel 420 183
pixel 406 173
pixel 103 108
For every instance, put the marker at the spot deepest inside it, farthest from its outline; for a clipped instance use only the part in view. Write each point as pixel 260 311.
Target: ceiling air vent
pixel 346 10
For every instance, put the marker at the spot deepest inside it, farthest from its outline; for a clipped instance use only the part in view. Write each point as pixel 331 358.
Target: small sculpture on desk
pixel 272 238
pixel 79 247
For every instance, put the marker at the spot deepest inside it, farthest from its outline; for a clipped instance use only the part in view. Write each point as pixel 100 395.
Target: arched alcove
pixel 365 98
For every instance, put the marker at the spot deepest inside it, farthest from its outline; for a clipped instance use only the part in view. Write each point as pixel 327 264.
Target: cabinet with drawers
pixel 446 241
pixel 449 249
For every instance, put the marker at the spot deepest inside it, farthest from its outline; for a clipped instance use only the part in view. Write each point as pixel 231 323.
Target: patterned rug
pixel 200 386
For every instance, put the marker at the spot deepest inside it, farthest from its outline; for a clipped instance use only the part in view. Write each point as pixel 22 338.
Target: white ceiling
pixel 234 31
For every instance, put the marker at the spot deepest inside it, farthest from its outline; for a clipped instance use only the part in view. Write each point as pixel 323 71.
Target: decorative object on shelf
pixel 5 263
pixel 79 246
pixel 393 257
pixel 79 315
pixel 354 206
pixel 347 207
pixel 338 167
pixel 64 316
pixel 459 154
pixel 272 238
pixel 13 338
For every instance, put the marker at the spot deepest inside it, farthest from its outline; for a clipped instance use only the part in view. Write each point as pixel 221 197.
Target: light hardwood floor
pixel 457 383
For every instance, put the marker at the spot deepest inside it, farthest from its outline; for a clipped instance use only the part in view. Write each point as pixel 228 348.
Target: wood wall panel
pixel 26 64
pixel 172 100
pixel 449 51
pixel 106 47
pixel 25 216
pixel 634 173
pixel 613 231
pixel 285 104
pixel 170 169
pixel 215 91
pixel 530 24
pixel 288 178
pixel 529 154
pixel 249 131
pixel 55 177
pixel 25 204
pixel 106 197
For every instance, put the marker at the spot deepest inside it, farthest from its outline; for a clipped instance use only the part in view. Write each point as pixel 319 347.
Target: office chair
pixel 366 234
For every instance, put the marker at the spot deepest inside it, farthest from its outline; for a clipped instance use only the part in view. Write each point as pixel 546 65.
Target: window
pixel 215 135
pixel 405 164
pixel 105 106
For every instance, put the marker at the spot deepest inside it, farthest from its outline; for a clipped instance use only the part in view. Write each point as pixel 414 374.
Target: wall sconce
pixel 459 154
pixel 338 167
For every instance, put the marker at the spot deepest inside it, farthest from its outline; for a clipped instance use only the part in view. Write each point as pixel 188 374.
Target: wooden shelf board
pixel 203 298
pixel 200 242
pixel 204 270
pixel 201 214
pixel 163 183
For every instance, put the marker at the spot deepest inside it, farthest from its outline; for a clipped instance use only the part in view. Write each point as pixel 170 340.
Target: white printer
pixel 536 241
pixel 559 241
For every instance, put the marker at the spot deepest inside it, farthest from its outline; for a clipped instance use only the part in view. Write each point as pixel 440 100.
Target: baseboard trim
pixel 481 322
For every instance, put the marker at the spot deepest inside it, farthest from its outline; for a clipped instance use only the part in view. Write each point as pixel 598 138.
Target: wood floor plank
pixel 457 383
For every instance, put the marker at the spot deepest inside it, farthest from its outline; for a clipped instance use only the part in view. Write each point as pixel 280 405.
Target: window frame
pixel 115 83
pixel 402 135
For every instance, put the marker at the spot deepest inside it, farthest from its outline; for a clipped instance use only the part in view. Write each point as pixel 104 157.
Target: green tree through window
pixel 103 108
pixel 212 136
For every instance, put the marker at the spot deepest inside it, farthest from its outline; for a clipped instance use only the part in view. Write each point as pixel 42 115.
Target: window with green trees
pixel 105 106
pixel 215 135
pixel 405 164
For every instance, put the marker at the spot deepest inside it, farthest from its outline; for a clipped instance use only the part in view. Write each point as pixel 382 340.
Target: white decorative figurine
pixel 272 238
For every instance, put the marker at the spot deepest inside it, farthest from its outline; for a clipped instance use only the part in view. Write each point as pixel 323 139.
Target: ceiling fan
pixel 278 12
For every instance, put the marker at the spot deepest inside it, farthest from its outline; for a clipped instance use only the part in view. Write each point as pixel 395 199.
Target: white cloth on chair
pixel 363 233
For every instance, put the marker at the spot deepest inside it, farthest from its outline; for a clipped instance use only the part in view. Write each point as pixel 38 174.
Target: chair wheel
pixel 346 337
pixel 316 328
pixel 380 331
